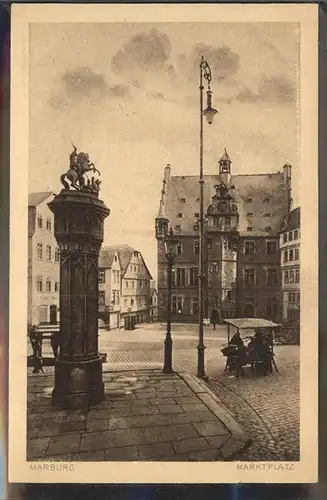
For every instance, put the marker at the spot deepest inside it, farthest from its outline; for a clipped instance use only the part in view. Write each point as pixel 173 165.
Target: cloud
pixel 271 89
pixel 222 60
pixel 142 52
pixel 84 83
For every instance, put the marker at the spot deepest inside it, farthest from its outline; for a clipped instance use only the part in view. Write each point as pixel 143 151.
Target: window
pixel 214 268
pixel 266 200
pixel 249 214
pixel 271 247
pixel 267 214
pixel 178 227
pixel 289 297
pixel 297 298
pixel 297 276
pixel 180 276
pixel 249 247
pixel 286 277
pixel 249 228
pixel 177 304
pixel 182 200
pixel 57 255
pixel 49 252
pixel 292 276
pixel 249 200
pixel 48 225
pixel 132 302
pixel 229 295
pixel 197 215
pixel 290 236
pixel 179 248
pixel 39 284
pixel 209 243
pixel 296 254
pixel 291 255
pixel 56 286
pixel 196 227
pixel 102 298
pixel 48 285
pixel 227 221
pixel 195 308
pixel 193 276
pixel 249 277
pixel 296 234
pixel 125 302
pixel 180 215
pixel 196 247
pixel 268 229
pixel 39 251
pixel 285 238
pixel 126 284
pixel 285 256
pixel 293 298
pixel 102 276
pixel 115 258
pixel 133 284
pixel 272 277
pixel 40 221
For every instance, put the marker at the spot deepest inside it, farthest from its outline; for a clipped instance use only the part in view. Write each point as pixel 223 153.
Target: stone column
pixel 78 225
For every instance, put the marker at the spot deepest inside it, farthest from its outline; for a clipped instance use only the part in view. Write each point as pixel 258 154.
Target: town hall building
pixel 243 217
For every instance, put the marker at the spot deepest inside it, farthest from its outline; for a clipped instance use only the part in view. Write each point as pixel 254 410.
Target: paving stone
pixel 230 447
pixel 169 433
pixel 93 441
pixel 32 432
pixel 109 386
pixel 145 394
pixel 170 409
pixel 37 447
pixel 166 388
pixel 218 441
pixel 191 400
pixel 97 424
pixel 89 456
pixel 145 410
pixel 164 394
pixel 187 445
pixel 157 450
pixel 162 401
pixel 73 426
pixel 175 458
pixel 203 456
pixel 122 454
pixel 193 407
pixel 214 428
pixel 127 437
pixel 51 427
pixel 200 416
pixel 67 443
pixel 76 417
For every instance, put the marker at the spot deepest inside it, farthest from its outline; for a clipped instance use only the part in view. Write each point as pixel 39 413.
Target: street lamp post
pixel 209 113
pixel 171 243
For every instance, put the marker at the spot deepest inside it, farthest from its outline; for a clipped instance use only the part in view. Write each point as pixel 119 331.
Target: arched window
pixel 39 284
pixel 48 285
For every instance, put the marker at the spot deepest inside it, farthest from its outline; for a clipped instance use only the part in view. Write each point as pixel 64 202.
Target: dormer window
pixel 198 199
pixel 196 227
pixel 249 214
pixel 182 200
pixel 196 215
pixel 249 200
pixel 180 215
pixel 178 227
pixel 268 229
pixel 249 229
pixel 267 215
pixel 266 200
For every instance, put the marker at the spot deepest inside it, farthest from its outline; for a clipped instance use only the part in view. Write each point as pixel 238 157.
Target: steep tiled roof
pixel 34 199
pixel 106 256
pixel 293 220
pixel 249 192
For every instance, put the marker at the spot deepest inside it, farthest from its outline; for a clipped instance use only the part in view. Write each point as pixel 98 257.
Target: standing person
pixel 214 317
pixel 55 344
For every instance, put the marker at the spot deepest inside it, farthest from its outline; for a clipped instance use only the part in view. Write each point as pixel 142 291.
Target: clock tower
pixel 225 168
pixel 222 235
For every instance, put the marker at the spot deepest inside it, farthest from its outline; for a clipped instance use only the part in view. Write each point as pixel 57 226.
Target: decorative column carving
pixel 79 217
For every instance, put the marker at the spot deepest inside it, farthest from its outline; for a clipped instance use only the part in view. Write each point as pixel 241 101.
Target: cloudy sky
pixel 128 95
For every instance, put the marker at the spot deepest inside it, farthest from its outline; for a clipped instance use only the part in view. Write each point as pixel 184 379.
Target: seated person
pixel 236 340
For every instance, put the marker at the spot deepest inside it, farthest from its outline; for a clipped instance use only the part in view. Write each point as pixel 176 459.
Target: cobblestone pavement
pixel 267 407
pixel 146 415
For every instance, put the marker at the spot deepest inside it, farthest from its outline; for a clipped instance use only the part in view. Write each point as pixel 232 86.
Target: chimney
pixel 167 174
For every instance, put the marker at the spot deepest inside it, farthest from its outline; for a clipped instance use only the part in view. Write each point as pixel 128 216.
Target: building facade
pixel 124 286
pixel 109 288
pixel 43 261
pixel 290 237
pixel 243 216
pixel 153 302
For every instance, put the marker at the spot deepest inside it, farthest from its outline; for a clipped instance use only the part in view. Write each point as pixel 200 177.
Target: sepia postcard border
pixel 304 471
